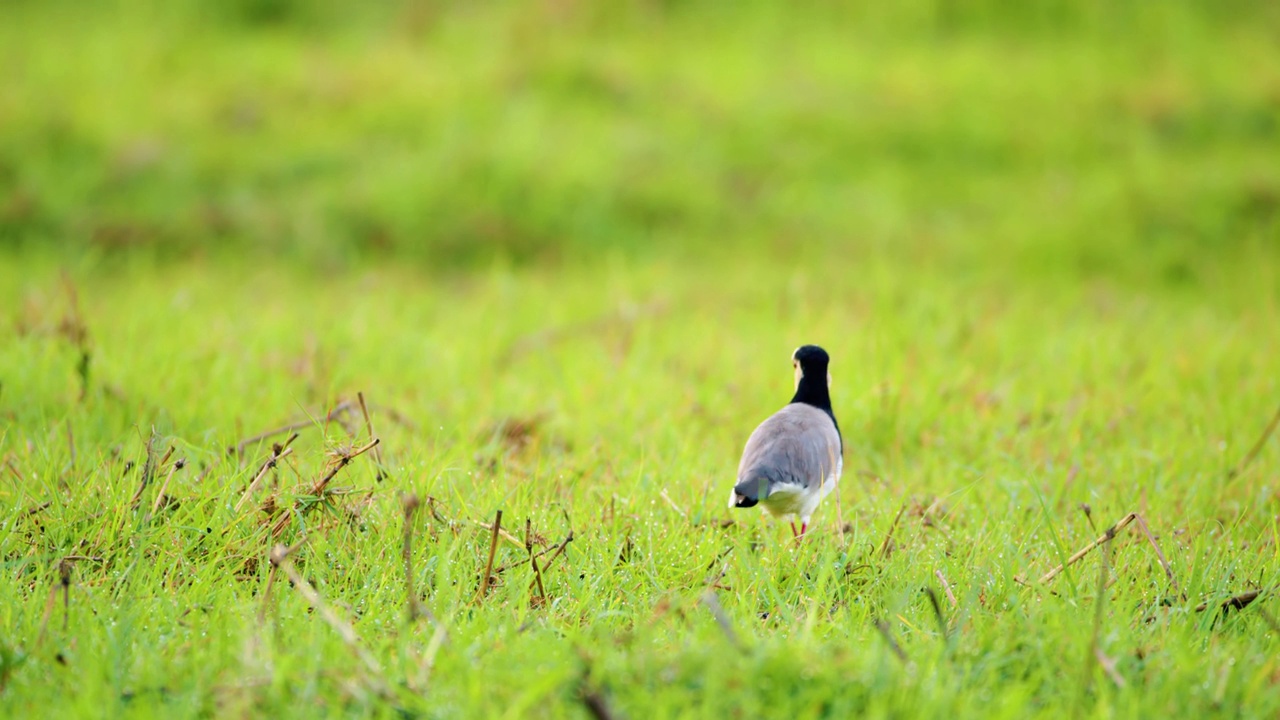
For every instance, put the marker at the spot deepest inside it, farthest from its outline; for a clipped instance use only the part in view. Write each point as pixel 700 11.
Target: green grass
pixel 567 273
pixel 993 412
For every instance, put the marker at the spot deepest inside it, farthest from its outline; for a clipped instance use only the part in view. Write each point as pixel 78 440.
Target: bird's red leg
pixel 793 529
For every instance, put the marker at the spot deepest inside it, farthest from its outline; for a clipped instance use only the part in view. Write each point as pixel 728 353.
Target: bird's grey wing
pixel 798 445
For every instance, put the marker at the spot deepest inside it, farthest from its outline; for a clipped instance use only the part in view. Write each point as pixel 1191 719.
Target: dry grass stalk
pixel 1257 447
pixel 1088 515
pixel 533 560
pixel 515 564
pixel 672 503
pixel 493 549
pixel 559 550
pixel 149 468
pixel 1106 536
pixel 340 460
pixel 888 537
pixel 368 426
pixel 502 533
pixel 1235 602
pixel 1109 535
pixel 1168 569
pixel 159 501
pixel 280 558
pixel 64 583
pixel 338 410
pixel 278 452
pixel 946 587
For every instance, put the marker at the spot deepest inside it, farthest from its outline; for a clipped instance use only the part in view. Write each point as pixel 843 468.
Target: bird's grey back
pixel 797 445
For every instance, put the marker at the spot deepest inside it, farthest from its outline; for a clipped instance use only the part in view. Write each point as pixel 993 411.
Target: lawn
pixel 554 260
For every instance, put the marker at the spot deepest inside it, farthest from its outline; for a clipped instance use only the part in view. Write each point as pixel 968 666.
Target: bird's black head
pixel 811 359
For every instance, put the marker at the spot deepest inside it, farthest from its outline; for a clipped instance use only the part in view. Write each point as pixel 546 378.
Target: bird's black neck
pixel 814 391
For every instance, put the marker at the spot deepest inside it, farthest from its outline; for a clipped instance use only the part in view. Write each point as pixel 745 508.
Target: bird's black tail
pixel 750 491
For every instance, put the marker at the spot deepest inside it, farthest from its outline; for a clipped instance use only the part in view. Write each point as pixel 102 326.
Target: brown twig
pixel 1109 535
pixel 1106 536
pixel 333 414
pixel 266 595
pixel 1088 515
pixel 1235 602
pixel 533 560
pixel 714 581
pixel 946 587
pixel 64 582
pixel 340 461
pixel 505 535
pixel 149 468
pixel 176 466
pixel 1109 666
pixel 64 579
pixel 517 563
pixel 663 494
pixel 278 452
pixel 1168 569
pixel 888 537
pixel 493 549
pixel 559 550
pixel 281 555
pixel 35 509
pixel 368 426
pixel 1257 447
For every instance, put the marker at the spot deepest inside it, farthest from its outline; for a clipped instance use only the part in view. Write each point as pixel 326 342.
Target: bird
pixel 795 457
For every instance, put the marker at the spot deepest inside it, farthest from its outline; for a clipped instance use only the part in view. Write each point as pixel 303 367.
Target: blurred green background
pixel 1071 138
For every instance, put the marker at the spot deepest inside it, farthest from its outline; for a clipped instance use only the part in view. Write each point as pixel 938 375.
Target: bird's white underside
pixel 792 502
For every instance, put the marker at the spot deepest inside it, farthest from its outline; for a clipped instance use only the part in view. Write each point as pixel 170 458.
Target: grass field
pixel 564 256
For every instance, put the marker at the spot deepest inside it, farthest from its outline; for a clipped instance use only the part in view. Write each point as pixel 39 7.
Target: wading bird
pixel 794 458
